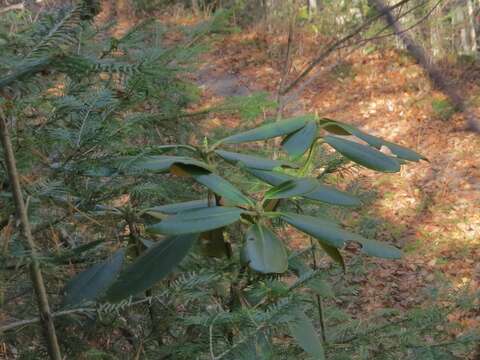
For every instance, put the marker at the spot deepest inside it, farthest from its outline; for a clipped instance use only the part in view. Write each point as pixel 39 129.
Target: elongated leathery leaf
pixel 404 153
pixel 323 193
pixel 254 162
pixel 156 163
pixel 340 128
pixel 217 184
pixel 271 177
pixel 300 141
pixel 222 187
pixel 268 131
pixel 330 195
pixel 151 267
pixel 91 283
pixel 334 254
pixel 291 188
pixel 197 221
pixel 264 251
pixel 158 211
pixel 363 155
pixel 331 234
pixel 304 333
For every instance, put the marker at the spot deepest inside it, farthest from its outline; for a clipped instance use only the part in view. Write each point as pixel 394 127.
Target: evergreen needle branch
pixel 20 323
pixel 102 308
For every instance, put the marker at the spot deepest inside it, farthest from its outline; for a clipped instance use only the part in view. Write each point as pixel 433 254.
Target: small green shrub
pixel 343 70
pixel 443 109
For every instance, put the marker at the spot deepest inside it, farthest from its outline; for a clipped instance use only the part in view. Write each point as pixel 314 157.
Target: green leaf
pixel 320 229
pixel 334 128
pixel 271 177
pixel 379 249
pixel 339 128
pixel 291 188
pixel 331 234
pixel 304 333
pixel 334 254
pixel 222 187
pixel 91 283
pixel 404 153
pixel 218 185
pixel 254 162
pixel 323 193
pixel 268 131
pixel 330 195
pixel 158 211
pixel 264 251
pixel 300 141
pixel 151 267
pixel 197 221
pixel 363 155
pixel 156 164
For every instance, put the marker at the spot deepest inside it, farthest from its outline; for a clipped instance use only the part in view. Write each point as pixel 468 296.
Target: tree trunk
pixel 435 34
pixel 471 23
pixel 195 7
pixel 312 7
pixel 460 27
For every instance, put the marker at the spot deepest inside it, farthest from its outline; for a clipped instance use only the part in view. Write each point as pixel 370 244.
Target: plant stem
pixel 35 272
pixel 319 298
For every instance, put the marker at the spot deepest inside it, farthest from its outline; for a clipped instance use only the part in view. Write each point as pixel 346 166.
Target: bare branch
pixel 438 79
pixel 19 6
pixel 335 45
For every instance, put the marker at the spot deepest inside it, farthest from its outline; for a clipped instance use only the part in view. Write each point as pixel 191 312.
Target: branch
pixel 377 36
pixel 20 6
pixel 439 80
pixel 16 324
pixel 35 272
pixel 335 45
pixel 294 95
pixel 102 308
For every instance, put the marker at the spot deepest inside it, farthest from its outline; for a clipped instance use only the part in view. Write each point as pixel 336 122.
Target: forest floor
pixel 431 210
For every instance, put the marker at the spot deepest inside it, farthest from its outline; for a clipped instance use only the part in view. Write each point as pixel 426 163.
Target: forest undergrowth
pixel 422 306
